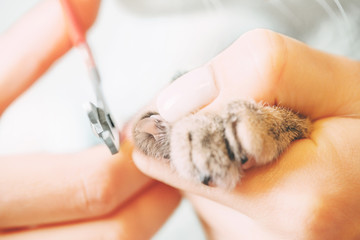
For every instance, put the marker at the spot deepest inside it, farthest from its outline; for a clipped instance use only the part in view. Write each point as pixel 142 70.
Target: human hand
pixel 312 191
pixel 87 195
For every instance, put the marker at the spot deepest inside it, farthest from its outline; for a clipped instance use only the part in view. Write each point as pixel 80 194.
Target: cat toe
pixel 151 135
pixel 200 151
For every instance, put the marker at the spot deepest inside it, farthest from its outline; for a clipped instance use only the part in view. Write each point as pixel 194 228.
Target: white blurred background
pixel 139 46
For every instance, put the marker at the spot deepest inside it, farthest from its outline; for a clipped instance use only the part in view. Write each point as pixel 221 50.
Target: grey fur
pixel 214 148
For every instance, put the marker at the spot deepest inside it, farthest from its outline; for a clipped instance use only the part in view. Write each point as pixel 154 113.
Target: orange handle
pixel 76 31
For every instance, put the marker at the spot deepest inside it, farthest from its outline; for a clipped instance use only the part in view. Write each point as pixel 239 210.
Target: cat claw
pixel 250 162
pixel 206 180
pixel 147 125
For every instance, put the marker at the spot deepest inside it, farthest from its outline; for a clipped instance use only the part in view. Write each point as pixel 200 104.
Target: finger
pixel 139 218
pixel 233 224
pixel 34 43
pixel 266 66
pixel 44 188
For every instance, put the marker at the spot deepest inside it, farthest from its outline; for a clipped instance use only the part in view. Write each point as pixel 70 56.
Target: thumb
pixel 266 66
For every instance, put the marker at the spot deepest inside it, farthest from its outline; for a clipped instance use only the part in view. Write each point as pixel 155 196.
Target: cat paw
pixel 215 149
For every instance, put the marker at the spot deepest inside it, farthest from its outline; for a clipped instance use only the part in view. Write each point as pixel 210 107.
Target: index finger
pixel 46 188
pixel 266 66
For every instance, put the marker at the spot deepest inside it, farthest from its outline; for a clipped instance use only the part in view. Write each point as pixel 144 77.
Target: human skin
pixel 312 191
pixel 85 195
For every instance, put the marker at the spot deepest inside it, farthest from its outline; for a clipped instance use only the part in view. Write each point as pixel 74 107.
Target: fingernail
pixel 188 93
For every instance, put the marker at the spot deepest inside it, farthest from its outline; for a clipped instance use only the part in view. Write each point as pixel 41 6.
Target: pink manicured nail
pixel 188 93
